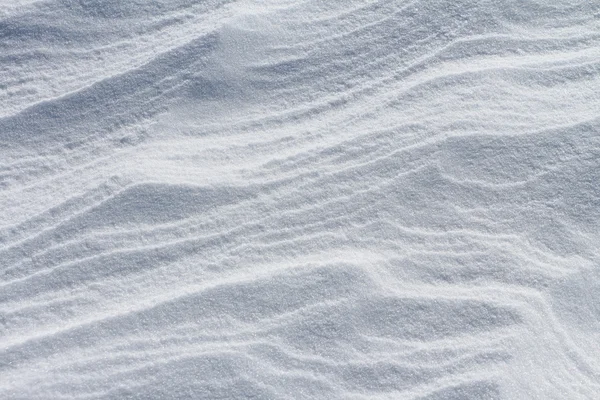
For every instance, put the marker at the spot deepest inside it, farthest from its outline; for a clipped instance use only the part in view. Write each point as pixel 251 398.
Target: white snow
pixel 309 199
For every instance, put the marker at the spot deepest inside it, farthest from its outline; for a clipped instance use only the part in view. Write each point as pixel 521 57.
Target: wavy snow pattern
pixel 299 200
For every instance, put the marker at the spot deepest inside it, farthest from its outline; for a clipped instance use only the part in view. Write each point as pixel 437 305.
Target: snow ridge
pixel 299 200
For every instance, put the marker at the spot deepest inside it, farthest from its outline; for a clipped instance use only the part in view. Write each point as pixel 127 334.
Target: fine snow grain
pixel 300 199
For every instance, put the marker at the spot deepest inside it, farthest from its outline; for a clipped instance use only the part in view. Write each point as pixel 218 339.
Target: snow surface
pixel 274 199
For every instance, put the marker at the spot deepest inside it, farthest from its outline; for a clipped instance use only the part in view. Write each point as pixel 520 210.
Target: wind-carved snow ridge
pixel 300 200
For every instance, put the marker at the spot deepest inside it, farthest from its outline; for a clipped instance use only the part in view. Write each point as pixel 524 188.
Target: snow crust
pixel 309 199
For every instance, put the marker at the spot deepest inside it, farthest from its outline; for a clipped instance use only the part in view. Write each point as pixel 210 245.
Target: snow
pixel 299 199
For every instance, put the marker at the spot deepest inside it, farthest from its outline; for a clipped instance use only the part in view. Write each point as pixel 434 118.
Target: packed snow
pixel 276 199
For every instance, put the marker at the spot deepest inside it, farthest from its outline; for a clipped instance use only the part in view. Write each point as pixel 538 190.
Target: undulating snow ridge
pixel 278 199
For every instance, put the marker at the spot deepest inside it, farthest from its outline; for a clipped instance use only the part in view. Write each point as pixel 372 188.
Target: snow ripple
pixel 299 200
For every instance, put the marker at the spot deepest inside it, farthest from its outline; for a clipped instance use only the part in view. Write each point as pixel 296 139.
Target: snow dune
pixel 299 199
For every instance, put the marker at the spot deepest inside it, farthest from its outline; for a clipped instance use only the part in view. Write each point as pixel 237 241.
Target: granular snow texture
pixel 276 199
